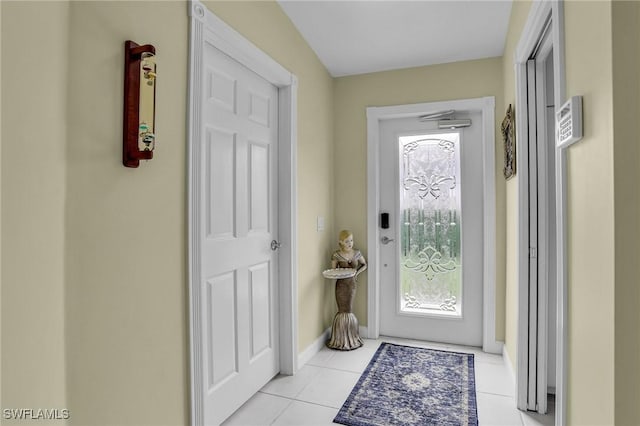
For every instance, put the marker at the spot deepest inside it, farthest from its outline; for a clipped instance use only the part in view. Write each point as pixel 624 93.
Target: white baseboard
pixel 509 365
pixel 313 348
pixel 364 331
pixel 318 344
pixel 493 347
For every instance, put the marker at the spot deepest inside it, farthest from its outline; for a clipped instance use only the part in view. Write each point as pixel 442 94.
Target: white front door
pixel 431 255
pixel 238 219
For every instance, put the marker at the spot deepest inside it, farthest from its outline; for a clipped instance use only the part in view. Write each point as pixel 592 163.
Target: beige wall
pixel 126 292
pixel 102 247
pixel 0 203
pixel 590 219
pixel 590 210
pixel 462 80
pixel 34 135
pixel 519 13
pixel 626 128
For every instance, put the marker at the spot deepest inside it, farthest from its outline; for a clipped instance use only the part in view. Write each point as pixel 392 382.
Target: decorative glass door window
pixel 430 240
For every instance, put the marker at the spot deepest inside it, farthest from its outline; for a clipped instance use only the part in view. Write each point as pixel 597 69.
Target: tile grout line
pixel 295 398
pixel 497 394
pixel 318 374
pixel 281 412
pixel 341 370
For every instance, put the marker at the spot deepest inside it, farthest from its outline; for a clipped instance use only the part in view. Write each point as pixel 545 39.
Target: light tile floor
pixel 315 394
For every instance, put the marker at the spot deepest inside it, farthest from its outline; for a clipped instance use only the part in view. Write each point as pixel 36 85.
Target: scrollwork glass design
pixel 430 251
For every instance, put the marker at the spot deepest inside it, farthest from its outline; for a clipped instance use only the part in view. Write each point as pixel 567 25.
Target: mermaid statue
pixel 344 332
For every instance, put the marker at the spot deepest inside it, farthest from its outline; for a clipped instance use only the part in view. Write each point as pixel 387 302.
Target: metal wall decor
pixel 138 137
pixel 509 137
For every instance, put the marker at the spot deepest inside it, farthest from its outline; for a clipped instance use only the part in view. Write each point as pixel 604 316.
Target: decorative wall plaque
pixel 509 137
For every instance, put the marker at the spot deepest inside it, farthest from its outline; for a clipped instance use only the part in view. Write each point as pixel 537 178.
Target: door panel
pixel 431 182
pixel 260 309
pixel 221 183
pixel 532 169
pixel 222 355
pixel 239 218
pixel 542 273
pixel 259 187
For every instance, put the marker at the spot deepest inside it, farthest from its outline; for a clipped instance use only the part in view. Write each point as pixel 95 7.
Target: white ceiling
pixel 356 37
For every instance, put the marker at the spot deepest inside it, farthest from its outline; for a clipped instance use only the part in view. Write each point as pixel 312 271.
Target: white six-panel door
pixel 238 221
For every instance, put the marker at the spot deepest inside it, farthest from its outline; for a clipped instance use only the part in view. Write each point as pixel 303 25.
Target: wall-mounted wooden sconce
pixel 139 103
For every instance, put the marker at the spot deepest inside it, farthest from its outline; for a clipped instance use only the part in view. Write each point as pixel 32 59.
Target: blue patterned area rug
pixel 403 385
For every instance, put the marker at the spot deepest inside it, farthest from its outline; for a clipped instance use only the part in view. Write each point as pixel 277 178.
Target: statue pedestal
pixel 344 331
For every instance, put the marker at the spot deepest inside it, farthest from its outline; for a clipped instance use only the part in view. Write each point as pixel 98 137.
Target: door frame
pixel 486 106
pixel 205 27
pixel 543 15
